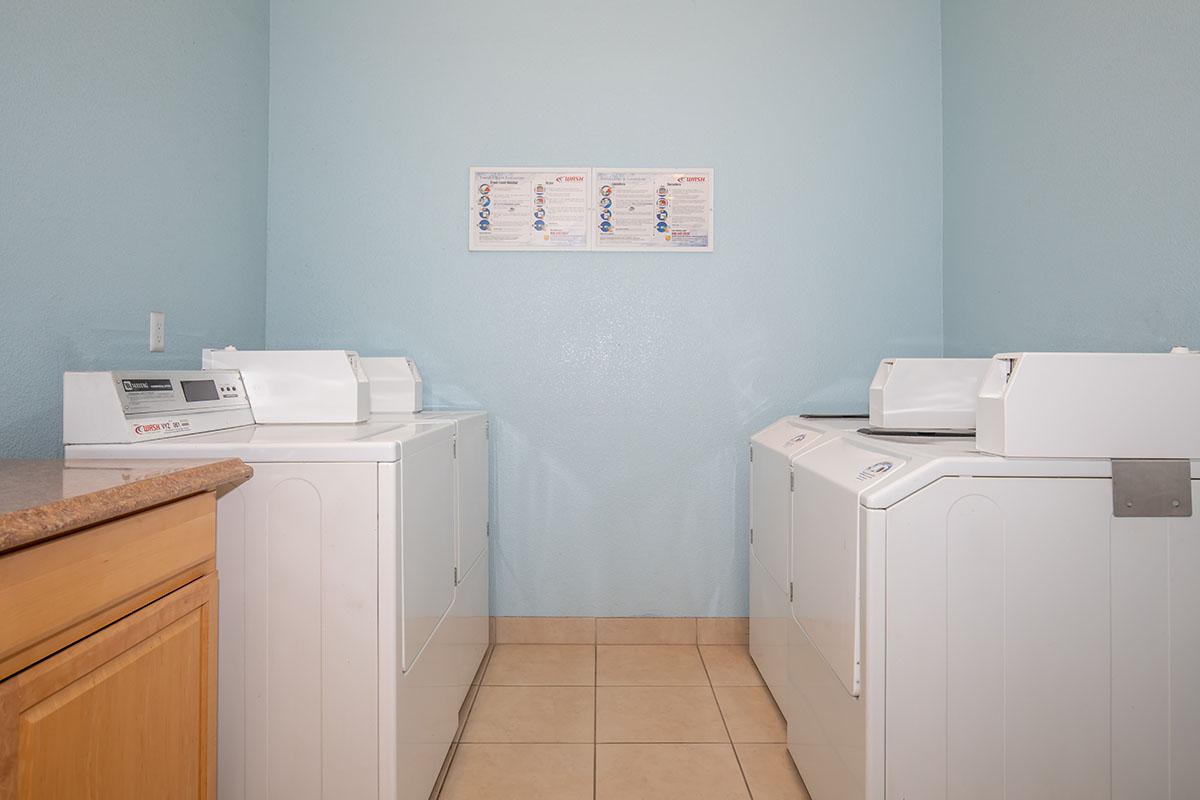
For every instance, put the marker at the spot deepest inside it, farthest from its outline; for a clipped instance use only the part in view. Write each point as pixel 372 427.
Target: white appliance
pixel 139 406
pixel 963 625
pixel 1065 404
pixel 466 638
pixel 396 385
pixel 772 451
pixel 299 386
pixel 347 645
pixel 395 388
pixel 471 437
pixel 926 392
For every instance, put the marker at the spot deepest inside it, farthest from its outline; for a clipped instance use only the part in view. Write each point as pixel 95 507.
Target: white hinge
pixel 454 445
pixel 752 536
pixel 791 481
pixel 487 429
pixel 751 452
pixel 487 528
pixel 791 591
pixel 456 576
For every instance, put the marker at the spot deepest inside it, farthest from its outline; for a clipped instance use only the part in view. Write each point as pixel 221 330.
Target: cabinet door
pixel 127 712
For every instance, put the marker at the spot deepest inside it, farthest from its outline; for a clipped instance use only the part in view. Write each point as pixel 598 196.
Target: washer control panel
pixel 157 392
pixel 142 405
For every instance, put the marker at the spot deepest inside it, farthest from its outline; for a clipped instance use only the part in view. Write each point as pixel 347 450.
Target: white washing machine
pixel 971 625
pixel 346 644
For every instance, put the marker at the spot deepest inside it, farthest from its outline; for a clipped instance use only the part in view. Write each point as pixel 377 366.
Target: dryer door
pixel 826 547
pixel 423 482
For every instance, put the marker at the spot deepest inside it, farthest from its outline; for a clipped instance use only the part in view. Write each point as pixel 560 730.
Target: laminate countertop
pixel 43 499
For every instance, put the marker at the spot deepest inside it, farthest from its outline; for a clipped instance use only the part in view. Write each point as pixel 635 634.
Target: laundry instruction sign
pixel 609 208
pixel 529 209
pixel 653 209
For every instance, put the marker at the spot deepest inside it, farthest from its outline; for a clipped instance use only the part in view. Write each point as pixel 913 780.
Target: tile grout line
pixel 484 665
pixel 619 644
pixel 595 718
pixel 504 743
pixel 737 759
pixel 618 685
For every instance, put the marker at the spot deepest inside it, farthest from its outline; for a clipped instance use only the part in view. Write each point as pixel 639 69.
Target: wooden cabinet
pixel 124 704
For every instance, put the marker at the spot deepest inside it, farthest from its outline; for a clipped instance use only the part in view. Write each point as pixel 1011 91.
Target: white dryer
pixel 772 451
pixel 396 396
pixel 464 635
pixel 339 673
pixel 471 483
pixel 966 625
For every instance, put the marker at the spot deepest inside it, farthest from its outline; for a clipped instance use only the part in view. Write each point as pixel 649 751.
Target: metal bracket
pixel 1151 487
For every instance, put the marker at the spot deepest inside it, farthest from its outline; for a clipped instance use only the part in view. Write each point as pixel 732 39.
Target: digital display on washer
pixel 196 391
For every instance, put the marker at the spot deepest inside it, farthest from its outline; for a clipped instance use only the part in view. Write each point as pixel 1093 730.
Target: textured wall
pixel 1072 174
pixel 132 178
pixel 623 387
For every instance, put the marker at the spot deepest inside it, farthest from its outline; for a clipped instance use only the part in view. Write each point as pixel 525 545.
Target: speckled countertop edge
pixel 47 520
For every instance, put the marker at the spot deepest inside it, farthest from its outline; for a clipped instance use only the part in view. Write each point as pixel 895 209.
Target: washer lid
pixel 367 441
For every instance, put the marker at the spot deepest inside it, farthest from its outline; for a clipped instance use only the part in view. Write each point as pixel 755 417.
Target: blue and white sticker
pixel 538 224
pixel 605 202
pixel 484 224
pixel 605 226
pixel 661 227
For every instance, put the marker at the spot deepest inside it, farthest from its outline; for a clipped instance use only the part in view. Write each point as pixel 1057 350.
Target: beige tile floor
pixel 622 722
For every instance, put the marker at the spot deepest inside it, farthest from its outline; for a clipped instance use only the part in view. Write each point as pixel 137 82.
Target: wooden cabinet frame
pixel 124 702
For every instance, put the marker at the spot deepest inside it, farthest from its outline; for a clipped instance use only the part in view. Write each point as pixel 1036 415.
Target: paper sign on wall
pixel 653 209
pixel 529 209
pixel 539 208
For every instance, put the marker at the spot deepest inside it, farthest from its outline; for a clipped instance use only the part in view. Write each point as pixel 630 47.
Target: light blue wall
pixel 132 178
pixel 623 387
pixel 1072 170
pixel 133 158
